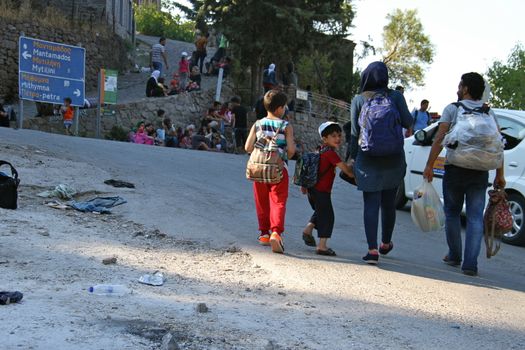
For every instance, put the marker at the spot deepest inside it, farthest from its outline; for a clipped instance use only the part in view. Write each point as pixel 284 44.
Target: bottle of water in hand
pixel 109 290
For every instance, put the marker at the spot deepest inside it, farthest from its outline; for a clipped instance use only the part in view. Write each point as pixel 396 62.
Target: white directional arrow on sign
pixel 76 93
pixel 26 55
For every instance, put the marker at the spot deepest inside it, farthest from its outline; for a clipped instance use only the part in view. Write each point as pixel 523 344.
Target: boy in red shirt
pixel 319 196
pixel 68 113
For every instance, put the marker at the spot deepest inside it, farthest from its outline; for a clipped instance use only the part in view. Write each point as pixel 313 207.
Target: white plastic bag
pixel 474 141
pixel 427 210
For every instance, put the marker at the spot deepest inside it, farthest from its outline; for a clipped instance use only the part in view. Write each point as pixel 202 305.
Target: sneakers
pixel 384 249
pixel 264 239
pixel 371 259
pixel 276 242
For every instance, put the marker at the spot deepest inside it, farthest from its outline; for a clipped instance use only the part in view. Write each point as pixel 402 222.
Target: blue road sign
pixel 50 72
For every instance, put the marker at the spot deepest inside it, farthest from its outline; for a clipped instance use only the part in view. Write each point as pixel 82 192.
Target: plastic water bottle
pixel 109 290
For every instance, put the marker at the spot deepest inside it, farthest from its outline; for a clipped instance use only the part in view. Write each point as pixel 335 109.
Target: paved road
pixel 204 196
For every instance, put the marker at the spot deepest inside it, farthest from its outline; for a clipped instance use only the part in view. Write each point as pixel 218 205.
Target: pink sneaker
pixel 276 241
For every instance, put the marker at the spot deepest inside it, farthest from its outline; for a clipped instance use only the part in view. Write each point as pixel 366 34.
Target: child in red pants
pixel 270 199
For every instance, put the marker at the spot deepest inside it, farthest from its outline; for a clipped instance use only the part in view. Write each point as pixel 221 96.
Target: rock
pixel 233 249
pixel 202 308
pixel 169 342
pixel 43 233
pixel 271 345
pixel 109 261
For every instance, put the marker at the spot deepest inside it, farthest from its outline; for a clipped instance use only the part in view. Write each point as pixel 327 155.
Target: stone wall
pixel 183 109
pixel 103 48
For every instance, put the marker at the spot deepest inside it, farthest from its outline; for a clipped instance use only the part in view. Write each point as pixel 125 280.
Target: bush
pixel 118 134
pixel 151 21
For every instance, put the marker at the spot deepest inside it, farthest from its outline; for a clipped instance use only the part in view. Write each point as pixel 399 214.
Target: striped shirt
pixel 267 127
pixel 156 53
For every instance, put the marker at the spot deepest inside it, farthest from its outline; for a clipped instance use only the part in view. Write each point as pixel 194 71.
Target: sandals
pixel 384 249
pixel 309 240
pixel 328 252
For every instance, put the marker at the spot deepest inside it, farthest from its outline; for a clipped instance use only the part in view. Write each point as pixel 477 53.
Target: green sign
pixel 110 86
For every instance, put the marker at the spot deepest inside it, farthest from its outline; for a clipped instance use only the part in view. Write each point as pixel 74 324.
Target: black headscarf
pixel 374 77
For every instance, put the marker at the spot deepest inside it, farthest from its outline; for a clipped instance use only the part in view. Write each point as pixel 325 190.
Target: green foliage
pixel 406 48
pixel 314 70
pixel 117 133
pixel 508 80
pixel 151 21
pixel 265 31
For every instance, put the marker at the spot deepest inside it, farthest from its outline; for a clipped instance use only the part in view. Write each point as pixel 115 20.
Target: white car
pixel 512 124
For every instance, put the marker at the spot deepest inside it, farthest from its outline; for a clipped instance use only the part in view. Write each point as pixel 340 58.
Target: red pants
pixel 270 204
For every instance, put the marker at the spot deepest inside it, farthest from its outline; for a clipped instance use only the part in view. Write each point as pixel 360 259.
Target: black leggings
pixel 323 216
pixel 373 201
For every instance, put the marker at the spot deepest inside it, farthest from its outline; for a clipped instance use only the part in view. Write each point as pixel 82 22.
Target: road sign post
pixel 49 72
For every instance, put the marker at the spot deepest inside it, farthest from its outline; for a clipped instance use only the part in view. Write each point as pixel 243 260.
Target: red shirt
pixel 327 164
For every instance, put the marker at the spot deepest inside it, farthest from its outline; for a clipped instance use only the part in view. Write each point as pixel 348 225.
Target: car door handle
pixel 513 164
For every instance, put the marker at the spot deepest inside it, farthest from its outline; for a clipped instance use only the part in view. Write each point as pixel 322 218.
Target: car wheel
pixel 517 208
pixel 401 199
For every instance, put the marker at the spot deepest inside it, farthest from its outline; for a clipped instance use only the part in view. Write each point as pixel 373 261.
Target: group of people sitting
pixel 210 136
pixel 157 87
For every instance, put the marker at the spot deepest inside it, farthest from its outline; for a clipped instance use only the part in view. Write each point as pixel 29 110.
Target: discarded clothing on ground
pixel 119 183
pixel 57 205
pixel 10 297
pixel 100 205
pixel 61 191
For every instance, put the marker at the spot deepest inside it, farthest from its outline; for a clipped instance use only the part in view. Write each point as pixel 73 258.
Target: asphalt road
pixel 205 196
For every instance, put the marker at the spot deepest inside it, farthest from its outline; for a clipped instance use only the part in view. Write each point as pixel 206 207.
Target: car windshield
pixel 512 130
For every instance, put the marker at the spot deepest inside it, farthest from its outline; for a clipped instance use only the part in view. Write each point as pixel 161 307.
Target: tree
pixel 263 31
pixel 508 80
pixel 406 48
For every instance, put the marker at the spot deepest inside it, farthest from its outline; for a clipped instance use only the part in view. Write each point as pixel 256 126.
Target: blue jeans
pixel 469 186
pixel 385 200
pixel 157 66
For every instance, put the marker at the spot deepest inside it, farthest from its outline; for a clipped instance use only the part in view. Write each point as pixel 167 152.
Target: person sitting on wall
pixel 170 138
pixel 152 83
pixel 141 135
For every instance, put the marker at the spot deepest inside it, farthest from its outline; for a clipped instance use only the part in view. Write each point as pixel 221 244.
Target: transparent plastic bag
pixel 474 142
pixel 427 210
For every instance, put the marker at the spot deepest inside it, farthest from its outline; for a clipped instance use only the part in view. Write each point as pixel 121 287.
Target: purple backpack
pixel 381 131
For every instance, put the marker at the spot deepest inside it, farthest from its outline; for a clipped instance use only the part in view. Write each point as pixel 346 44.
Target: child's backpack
pixel 265 164
pixel 381 131
pixel 307 169
pixel 474 142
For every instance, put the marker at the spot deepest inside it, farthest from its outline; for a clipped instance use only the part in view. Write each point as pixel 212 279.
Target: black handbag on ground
pixel 8 187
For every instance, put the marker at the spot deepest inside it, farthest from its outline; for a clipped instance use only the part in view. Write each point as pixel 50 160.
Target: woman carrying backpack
pixel 378 115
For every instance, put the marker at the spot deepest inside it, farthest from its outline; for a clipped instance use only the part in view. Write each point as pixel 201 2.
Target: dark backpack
pixel 8 188
pixel 417 113
pixel 307 169
pixel 381 131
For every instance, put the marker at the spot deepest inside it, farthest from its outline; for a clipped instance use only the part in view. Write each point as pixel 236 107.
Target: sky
pixel 468 36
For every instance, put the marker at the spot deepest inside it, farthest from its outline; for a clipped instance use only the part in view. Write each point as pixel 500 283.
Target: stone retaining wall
pixel 103 48
pixel 183 109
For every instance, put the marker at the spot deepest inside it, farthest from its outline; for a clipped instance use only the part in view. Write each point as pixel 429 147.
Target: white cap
pixel 184 54
pixel 324 126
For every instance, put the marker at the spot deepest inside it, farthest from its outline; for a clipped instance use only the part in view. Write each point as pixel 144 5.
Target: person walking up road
pixel 157 55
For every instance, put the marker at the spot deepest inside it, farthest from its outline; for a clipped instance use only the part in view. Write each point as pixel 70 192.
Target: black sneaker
pixel 10 297
pixel 470 272
pixel 451 262
pixel 371 258
pixel 384 249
